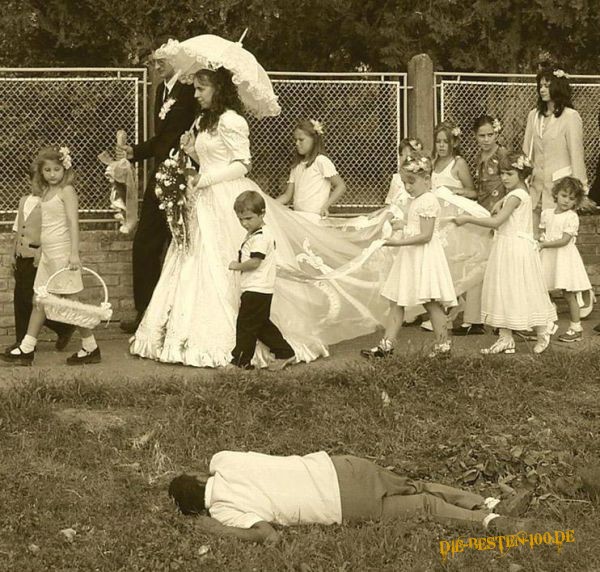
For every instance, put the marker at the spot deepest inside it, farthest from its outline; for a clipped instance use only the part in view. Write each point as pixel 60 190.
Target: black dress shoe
pixel 597 328
pixel 377 352
pixel 89 357
pixel 471 330
pixel 62 341
pixel 130 326
pixel 21 358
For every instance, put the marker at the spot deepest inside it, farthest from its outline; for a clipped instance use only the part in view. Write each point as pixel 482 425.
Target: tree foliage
pixel 311 35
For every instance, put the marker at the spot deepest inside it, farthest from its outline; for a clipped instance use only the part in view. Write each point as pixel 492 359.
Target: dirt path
pixel 118 364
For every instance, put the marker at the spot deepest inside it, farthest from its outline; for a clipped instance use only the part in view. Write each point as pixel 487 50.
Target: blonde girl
pixel 420 273
pixel 53 179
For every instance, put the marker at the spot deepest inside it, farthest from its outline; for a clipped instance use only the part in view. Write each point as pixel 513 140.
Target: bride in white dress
pixel 191 317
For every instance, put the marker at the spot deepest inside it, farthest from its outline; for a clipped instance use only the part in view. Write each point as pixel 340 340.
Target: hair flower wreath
pixel 497 125
pixel 415 145
pixel 65 157
pixel 560 73
pixel 317 126
pixel 522 162
pixel 415 166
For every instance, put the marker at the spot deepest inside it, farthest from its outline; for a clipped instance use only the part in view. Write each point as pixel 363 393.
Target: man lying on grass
pixel 247 492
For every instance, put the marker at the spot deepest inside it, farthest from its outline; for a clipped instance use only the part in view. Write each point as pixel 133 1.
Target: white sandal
pixel 502 346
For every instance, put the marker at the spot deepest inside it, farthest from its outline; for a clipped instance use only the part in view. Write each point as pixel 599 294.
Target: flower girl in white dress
pixel 314 184
pixel 514 293
pixel 420 272
pixel 562 264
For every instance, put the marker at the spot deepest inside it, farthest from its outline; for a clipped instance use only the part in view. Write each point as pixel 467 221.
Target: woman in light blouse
pixel 553 139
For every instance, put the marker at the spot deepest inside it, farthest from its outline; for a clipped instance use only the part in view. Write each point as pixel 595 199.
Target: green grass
pixel 462 421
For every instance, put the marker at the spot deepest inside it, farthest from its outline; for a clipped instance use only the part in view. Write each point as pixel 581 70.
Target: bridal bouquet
pixel 171 182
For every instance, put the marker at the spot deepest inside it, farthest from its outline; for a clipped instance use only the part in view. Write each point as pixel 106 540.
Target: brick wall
pixel 109 253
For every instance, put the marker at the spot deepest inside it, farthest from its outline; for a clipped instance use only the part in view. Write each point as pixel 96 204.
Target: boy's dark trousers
pixel 23 299
pixel 254 323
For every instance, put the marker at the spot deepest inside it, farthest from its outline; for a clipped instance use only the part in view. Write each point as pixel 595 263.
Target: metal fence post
pixel 420 99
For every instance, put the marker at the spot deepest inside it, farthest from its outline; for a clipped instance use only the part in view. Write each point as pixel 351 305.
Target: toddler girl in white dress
pixel 561 262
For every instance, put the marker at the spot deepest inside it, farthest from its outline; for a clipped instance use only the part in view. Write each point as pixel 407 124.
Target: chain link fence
pixel 461 98
pixel 364 118
pixel 78 108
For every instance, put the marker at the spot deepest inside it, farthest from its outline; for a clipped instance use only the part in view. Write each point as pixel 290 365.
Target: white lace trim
pixel 253 83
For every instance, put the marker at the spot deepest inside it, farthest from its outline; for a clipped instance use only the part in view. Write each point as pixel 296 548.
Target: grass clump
pixel 95 455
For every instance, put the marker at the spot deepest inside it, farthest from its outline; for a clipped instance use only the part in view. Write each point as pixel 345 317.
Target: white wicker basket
pixel 71 311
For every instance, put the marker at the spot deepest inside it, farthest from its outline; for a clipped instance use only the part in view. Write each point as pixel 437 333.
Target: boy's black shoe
pixel 376 352
pixel 21 358
pixel 62 341
pixel 597 328
pixel 89 357
pixel 471 330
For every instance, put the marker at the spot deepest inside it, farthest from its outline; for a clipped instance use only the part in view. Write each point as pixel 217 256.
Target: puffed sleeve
pixel 428 206
pixel 571 225
pixel 519 193
pixel 234 132
pixel 325 166
pixel 574 135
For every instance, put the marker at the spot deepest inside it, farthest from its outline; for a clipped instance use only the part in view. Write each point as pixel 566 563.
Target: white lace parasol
pixel 212 52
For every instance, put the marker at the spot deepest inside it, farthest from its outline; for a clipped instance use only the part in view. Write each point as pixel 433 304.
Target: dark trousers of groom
pixel 152 235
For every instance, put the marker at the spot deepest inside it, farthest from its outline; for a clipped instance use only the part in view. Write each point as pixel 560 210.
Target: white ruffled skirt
pixel 192 316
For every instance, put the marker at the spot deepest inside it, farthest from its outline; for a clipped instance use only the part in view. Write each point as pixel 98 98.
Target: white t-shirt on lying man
pixel 247 488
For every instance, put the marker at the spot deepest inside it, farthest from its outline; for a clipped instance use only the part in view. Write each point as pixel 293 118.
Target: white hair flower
pixel 522 162
pixel 497 125
pixel 415 166
pixel 65 157
pixel 560 73
pixel 416 146
pixel 456 131
pixel 317 126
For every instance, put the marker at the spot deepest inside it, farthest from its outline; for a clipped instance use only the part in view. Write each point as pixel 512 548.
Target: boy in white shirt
pixel 256 262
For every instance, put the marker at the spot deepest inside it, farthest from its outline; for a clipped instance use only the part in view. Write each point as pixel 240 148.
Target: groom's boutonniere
pixel 166 107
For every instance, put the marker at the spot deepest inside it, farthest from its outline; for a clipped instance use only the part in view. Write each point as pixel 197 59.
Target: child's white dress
pixel 420 272
pixel 312 186
pixel 514 292
pixel 56 250
pixel 563 267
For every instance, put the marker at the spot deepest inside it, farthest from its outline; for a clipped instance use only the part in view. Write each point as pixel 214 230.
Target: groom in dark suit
pixel 174 113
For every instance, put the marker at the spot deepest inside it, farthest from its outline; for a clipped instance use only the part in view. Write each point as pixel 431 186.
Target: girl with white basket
pixel 58 276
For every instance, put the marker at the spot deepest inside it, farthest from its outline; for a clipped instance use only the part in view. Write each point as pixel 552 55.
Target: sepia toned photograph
pixel 300 286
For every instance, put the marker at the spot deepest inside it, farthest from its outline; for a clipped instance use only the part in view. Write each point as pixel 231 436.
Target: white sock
pixel 27 345
pixel 88 345
pixel 489 518
pixel 575 326
pixel 386 344
pixel 491 502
